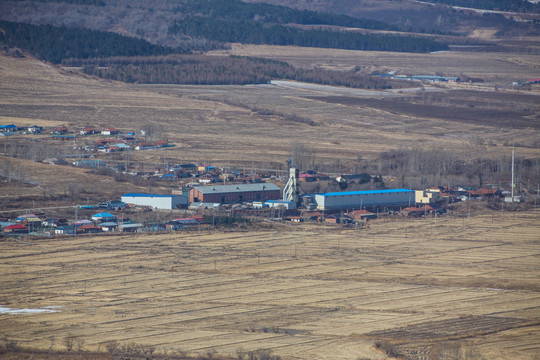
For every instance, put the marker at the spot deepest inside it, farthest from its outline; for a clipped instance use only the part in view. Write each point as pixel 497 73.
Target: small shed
pixel 108 226
pixel 88 229
pixel 307 177
pixel 26 216
pixel 16 229
pixel 130 227
pixel 90 163
pixel 103 217
pixel 82 222
pixel 110 131
pixel 35 129
pixel 293 219
pixel 281 204
pixel 331 219
pixel 361 214
pixel 32 222
pixel 53 222
pixel 174 225
pixel 8 128
pixel 416 211
pixel 65 230
pixel 60 130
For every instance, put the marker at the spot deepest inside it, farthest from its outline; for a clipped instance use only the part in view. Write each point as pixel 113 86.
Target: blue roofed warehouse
pixel 363 199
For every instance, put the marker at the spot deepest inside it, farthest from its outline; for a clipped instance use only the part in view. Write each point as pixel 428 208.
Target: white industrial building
pixel 166 202
pixel 281 203
pixel 363 199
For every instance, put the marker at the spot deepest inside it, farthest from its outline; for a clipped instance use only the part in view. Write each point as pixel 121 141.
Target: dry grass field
pixel 303 292
pixel 490 66
pixel 223 124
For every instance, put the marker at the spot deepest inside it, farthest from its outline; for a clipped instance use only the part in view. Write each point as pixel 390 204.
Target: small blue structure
pixel 8 128
pixel 103 217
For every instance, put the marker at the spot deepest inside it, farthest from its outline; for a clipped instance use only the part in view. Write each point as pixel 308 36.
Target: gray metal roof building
pixel 220 189
pixel 235 193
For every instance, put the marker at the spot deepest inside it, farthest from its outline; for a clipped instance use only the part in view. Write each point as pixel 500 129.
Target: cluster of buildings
pixel 101 222
pixel 224 189
pixel 258 199
pixel 117 140
pixel 269 195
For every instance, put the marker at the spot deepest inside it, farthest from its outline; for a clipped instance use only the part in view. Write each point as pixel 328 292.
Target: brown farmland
pixel 258 124
pixel 304 292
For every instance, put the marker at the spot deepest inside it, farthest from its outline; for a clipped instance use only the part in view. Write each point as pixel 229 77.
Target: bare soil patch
pixel 462 327
pixel 485 117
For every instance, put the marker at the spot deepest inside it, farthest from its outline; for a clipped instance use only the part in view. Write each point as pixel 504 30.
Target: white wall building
pixel 429 196
pixel 166 202
pixel 363 199
pixel 281 203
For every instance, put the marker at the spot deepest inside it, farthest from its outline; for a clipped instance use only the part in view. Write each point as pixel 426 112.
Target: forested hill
pixel 433 16
pixel 55 44
pixel 71 32
pixel 116 57
pixel 236 21
pixel 236 10
pixel 208 24
pixel 253 32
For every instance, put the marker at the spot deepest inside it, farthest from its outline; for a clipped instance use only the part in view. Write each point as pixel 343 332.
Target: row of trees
pixel 417 168
pixel 254 32
pixel 205 70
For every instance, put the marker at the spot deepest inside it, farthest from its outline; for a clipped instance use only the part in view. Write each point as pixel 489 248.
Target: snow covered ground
pixel 13 311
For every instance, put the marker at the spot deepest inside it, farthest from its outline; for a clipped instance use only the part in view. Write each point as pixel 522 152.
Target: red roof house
pixel 16 228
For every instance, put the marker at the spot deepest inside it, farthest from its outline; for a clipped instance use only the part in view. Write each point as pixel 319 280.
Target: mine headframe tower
pixel 290 192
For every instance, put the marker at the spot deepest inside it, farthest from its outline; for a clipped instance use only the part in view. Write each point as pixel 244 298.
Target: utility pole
pixel 512 190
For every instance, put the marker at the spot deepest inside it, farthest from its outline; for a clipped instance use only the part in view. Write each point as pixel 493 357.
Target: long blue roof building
pixel 363 199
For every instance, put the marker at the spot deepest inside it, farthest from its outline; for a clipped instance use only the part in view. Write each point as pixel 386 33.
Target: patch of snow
pixel 13 311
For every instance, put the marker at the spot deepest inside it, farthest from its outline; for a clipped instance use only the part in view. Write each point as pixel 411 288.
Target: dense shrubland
pixel 218 70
